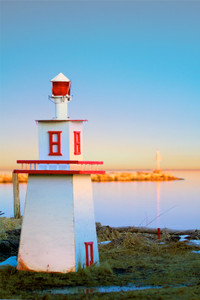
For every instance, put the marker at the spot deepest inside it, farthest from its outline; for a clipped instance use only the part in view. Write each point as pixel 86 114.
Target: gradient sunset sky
pixel 135 72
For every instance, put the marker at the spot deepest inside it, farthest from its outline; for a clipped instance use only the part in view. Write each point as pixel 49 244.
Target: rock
pixel 5 249
pixel 194 235
pixel 10 245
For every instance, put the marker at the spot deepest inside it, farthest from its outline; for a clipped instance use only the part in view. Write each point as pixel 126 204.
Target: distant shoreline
pixel 156 175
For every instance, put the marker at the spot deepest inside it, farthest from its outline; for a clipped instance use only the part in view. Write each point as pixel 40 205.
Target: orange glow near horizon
pixel 8 160
pixel 114 154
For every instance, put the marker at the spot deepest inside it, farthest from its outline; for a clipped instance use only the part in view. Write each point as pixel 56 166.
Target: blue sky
pixel 135 72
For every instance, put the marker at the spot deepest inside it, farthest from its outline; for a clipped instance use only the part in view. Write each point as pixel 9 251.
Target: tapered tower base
pixel 58 230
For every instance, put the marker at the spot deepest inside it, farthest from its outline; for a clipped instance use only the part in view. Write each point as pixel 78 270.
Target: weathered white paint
pixel 58 220
pixel 84 221
pixel 67 142
pixel 60 77
pixel 47 237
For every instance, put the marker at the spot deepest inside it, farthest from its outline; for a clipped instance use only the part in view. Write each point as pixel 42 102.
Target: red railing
pixel 53 167
pixel 66 162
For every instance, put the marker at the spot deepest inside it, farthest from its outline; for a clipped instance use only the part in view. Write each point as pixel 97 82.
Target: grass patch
pixel 7 224
pixel 130 258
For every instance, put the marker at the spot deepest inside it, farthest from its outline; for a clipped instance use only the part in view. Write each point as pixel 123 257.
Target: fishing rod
pixel 161 214
pixel 157 216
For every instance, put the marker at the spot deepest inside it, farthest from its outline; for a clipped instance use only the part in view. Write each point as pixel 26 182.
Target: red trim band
pixel 59 172
pixel 55 120
pixel 66 162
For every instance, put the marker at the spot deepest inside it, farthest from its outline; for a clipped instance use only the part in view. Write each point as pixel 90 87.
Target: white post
pixel 60 106
pixel 158 159
pixel 61 110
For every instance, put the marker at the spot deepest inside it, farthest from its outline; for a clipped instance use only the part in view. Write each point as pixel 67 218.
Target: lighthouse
pixel 58 229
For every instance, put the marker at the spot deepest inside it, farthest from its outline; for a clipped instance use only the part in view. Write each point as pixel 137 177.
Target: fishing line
pixel 158 216
pixel 161 214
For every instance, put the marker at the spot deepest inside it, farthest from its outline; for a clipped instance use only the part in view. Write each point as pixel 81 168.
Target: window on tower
pixel 55 143
pixel 77 142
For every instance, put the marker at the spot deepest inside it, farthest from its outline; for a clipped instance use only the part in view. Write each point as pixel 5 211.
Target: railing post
pixel 17 213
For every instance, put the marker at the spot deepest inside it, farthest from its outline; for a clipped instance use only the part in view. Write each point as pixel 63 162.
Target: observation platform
pixel 59 167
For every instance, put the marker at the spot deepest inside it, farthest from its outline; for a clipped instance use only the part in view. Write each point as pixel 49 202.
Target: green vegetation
pixel 131 258
pixel 7 224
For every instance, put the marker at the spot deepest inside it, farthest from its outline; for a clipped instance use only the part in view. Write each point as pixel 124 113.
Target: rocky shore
pixel 105 233
pixel 156 175
pixel 9 238
pixel 7 178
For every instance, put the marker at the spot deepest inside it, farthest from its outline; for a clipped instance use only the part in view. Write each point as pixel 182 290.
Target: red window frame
pixel 77 142
pixel 91 261
pixel 55 143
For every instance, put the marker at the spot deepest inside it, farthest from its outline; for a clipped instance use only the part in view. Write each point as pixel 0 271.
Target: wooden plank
pixel 17 213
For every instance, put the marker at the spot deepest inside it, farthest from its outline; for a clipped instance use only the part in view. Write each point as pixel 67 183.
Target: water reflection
pixel 139 203
pixel 158 204
pixel 100 289
pixel 6 198
pixel 172 204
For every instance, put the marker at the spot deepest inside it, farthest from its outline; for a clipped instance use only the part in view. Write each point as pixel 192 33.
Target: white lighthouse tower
pixel 58 231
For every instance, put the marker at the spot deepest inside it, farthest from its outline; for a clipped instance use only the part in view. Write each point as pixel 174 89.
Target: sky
pixel 135 73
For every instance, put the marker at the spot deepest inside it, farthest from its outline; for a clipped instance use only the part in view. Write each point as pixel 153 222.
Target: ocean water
pixel 169 204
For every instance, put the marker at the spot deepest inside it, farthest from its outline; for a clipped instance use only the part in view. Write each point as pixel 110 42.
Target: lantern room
pixel 61 85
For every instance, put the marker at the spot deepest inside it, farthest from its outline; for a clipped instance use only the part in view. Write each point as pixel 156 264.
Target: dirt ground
pixel 134 256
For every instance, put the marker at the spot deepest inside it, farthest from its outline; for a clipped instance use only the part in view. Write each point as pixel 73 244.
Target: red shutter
pixel 55 143
pixel 89 246
pixel 77 142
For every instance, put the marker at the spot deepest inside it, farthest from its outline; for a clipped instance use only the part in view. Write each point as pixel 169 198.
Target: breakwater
pixel 156 175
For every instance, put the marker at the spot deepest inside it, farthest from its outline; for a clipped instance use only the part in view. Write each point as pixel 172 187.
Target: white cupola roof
pixel 60 77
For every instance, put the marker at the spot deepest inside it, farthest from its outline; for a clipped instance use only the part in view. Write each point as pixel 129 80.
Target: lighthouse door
pixel 89 253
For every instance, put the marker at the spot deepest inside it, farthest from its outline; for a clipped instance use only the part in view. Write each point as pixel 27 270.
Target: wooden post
pixel 17 213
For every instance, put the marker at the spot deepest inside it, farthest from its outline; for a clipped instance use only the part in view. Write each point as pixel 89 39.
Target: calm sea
pixel 172 204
